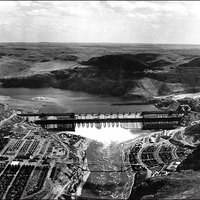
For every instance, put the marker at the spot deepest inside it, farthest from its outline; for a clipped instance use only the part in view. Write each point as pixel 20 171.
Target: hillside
pixel 133 71
pixel 124 62
pixel 179 185
pixel 186 73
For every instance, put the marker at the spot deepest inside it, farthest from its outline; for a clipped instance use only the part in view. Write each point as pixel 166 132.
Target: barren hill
pixel 115 69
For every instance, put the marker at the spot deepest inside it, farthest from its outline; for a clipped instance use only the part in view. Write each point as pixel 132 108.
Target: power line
pixel 107 171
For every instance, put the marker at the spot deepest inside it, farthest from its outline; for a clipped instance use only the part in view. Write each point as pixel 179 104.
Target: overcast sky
pixel 100 21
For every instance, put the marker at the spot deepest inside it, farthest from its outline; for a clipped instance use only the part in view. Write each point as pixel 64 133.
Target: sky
pixel 174 22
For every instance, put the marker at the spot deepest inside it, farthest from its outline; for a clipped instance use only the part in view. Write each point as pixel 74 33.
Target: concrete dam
pixel 151 120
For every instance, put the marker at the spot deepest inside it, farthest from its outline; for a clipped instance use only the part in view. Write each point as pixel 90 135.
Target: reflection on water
pixel 73 101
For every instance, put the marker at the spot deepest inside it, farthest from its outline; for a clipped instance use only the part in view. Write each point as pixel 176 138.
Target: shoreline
pixel 149 102
pixel 131 104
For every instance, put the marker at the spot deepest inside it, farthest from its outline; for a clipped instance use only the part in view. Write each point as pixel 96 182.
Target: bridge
pixel 145 120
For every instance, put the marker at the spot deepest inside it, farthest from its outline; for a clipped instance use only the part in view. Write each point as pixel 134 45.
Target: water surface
pixel 73 101
pixel 109 178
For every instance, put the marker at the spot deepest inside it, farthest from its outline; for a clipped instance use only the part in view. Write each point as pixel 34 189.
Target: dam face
pixel 146 120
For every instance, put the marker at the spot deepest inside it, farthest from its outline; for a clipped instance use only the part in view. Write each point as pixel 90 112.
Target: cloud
pixel 155 26
pixel 149 9
pixel 105 21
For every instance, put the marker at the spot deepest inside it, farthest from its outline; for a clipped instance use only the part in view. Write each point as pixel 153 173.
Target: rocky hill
pixel 120 62
pixel 186 74
pixel 192 162
pixel 119 70
pixel 179 185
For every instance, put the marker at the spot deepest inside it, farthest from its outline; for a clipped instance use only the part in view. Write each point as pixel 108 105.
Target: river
pixel 73 101
pixel 109 177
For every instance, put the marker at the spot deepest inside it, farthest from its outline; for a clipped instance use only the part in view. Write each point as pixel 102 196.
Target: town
pixel 33 161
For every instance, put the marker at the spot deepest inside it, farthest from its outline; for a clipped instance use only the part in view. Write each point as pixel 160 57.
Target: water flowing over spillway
pixel 106 134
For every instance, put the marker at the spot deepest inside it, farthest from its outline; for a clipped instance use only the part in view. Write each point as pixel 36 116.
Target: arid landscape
pixel 131 71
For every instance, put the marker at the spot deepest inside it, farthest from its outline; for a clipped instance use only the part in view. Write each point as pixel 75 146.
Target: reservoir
pixel 73 101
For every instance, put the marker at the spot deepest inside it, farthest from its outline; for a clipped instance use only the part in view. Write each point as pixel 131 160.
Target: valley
pixel 137 72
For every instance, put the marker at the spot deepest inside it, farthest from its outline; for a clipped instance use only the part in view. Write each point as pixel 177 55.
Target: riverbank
pixel 28 106
pixel 135 103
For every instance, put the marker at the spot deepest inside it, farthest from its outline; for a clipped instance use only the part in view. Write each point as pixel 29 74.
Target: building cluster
pixel 19 183
pixel 6 177
pixel 166 154
pixel 26 163
pixel 3 142
pixel 156 154
pixel 16 168
pixel 148 157
pixel 37 180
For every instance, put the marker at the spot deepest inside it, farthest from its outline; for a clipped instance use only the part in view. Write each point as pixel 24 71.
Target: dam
pixel 151 120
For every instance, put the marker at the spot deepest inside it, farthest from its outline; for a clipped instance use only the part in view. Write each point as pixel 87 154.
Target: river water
pixel 109 177
pixel 73 101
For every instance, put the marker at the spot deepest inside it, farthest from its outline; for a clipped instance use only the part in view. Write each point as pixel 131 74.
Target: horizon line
pixel 139 43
